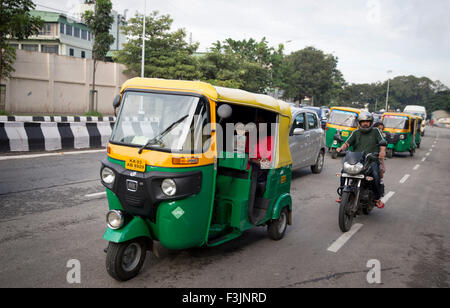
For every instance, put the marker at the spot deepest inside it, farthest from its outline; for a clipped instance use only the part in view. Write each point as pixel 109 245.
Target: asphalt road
pixel 50 214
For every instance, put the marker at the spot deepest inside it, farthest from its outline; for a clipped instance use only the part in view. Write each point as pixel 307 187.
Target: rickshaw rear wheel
pixel 277 227
pixel 125 260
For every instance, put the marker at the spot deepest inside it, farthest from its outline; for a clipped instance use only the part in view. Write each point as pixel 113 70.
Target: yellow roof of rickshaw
pixel 232 96
pixel 358 111
pixel 399 114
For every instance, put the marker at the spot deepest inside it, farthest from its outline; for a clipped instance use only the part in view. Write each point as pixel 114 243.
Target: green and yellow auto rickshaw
pixel 342 121
pixel 400 129
pixel 181 169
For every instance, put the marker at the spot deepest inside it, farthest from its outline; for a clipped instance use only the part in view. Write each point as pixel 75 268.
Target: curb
pixel 55 119
pixel 18 136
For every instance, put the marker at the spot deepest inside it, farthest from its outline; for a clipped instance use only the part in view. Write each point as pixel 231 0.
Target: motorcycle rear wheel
pixel 346 219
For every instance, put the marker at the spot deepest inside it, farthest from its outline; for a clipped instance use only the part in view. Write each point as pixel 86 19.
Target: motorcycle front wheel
pixel 345 217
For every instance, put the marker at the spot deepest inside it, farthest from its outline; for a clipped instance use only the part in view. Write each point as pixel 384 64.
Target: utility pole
pixel 143 41
pixel 387 93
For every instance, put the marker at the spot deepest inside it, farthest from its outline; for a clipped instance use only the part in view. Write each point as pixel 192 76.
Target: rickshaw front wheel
pixel 277 228
pixel 125 260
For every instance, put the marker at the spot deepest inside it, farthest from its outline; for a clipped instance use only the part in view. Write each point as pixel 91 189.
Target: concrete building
pixel 60 35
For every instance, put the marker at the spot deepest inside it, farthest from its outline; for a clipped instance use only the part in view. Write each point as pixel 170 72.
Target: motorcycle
pixel 357 196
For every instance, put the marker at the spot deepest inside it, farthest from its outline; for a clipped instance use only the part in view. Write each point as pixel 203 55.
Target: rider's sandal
pixel 380 204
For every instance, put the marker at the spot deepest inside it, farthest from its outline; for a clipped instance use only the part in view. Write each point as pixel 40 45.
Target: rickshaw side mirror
pixel 299 131
pixel 224 111
pixel 116 101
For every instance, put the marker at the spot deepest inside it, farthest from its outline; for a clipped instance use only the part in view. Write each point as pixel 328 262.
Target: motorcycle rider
pixel 366 139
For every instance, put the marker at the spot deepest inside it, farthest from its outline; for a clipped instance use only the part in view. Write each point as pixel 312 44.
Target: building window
pixel 76 32
pixel 68 30
pixel 89 36
pixel 71 52
pixel 16 46
pixel 30 47
pixel 83 54
pixel 84 34
pixel 61 28
pixel 50 49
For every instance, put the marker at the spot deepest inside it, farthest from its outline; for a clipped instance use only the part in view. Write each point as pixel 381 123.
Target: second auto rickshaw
pixel 181 169
pixel 400 129
pixel 342 121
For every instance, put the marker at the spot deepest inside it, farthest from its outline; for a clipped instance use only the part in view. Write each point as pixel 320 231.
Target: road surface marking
pixel 344 238
pixel 99 194
pixel 428 154
pixel 433 146
pixel 388 196
pixel 431 150
pixel 49 154
pixel 404 179
pixel 424 159
pixel 417 166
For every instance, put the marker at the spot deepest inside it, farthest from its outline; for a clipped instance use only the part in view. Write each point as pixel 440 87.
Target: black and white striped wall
pixel 24 134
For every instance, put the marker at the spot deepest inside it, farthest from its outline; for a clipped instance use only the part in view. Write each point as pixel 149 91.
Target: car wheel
pixel 317 168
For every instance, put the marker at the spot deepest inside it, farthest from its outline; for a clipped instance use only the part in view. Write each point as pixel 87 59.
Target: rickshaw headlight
pixel 108 175
pixel 169 187
pixel 402 137
pixel 353 169
pixel 114 219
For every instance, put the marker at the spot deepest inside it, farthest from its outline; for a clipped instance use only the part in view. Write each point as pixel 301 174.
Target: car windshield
pixel 344 118
pixel 399 122
pixel 162 122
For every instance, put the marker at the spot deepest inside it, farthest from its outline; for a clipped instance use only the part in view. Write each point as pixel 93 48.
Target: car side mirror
pixel 299 131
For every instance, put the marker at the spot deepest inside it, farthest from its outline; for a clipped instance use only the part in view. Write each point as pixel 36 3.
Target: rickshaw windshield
pixel 165 122
pixel 398 122
pixel 343 118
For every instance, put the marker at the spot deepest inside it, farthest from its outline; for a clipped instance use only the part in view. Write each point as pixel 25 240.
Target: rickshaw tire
pixel 114 259
pixel 334 154
pixel 389 153
pixel 274 227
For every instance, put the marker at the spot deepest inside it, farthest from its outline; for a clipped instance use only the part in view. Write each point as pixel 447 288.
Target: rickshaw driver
pixel 366 139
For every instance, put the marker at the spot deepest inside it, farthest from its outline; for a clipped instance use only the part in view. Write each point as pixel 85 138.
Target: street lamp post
pixel 387 92
pixel 143 41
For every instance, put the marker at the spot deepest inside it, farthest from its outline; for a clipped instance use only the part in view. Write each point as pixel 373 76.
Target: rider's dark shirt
pixel 365 142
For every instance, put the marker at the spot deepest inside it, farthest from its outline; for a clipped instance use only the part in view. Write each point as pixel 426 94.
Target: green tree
pixel 99 22
pixel 311 72
pixel 15 23
pixel 167 54
pixel 440 101
pixel 247 64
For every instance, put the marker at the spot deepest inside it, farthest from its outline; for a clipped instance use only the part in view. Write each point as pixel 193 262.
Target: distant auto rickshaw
pixel 184 168
pixel 401 131
pixel 342 121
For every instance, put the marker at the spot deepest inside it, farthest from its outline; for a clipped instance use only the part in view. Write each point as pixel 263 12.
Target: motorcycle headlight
pixel 114 219
pixel 108 176
pixel 353 169
pixel 169 187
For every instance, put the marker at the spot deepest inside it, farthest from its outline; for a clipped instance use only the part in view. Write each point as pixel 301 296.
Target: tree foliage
pixel 167 54
pixel 310 72
pixel 15 23
pixel 246 64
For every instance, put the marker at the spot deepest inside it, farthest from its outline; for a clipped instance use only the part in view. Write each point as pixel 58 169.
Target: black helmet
pixel 365 116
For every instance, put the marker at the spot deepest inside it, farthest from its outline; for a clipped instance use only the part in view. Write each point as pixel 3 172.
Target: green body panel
pixel 404 145
pixel 283 201
pixel 329 137
pixel 182 223
pixel 418 138
pixel 135 228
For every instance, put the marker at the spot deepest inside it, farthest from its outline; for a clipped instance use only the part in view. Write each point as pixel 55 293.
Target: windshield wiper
pixel 162 134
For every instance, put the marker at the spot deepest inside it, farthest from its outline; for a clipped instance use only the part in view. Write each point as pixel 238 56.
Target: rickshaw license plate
pixel 344 134
pixel 135 164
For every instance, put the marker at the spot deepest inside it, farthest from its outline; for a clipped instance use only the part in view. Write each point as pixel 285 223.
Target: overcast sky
pixel 370 37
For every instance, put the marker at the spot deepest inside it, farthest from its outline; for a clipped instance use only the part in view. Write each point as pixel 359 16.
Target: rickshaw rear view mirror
pixel 116 101
pixel 299 131
pixel 224 111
